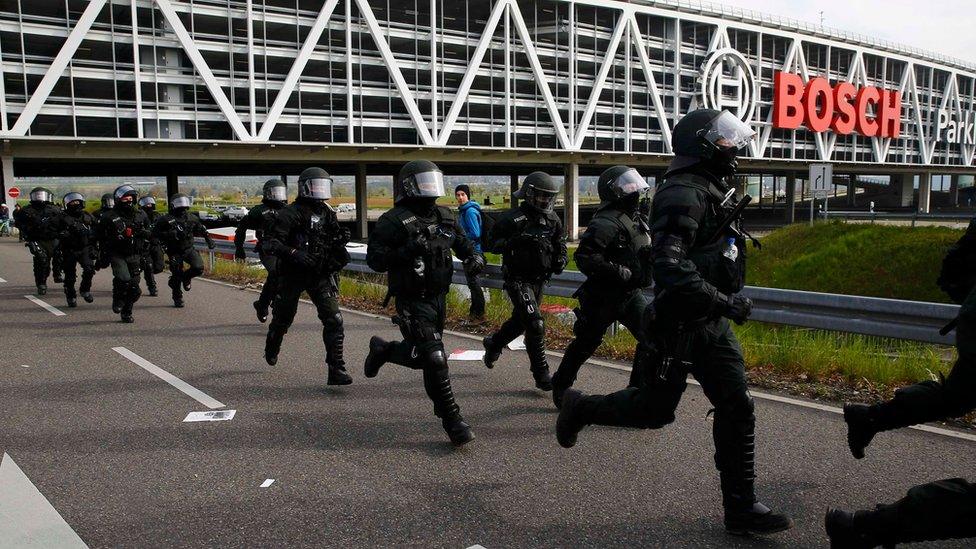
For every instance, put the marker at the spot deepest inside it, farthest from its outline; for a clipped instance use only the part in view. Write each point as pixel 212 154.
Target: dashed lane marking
pixel 50 308
pixel 2 280
pixel 27 518
pixel 184 387
pixel 267 483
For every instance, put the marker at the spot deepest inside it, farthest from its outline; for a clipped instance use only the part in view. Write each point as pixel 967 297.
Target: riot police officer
pixel 99 249
pixel 938 510
pixel 175 232
pixel 259 219
pixel 125 230
pixel 307 238
pixel 152 260
pixel 533 247
pixel 76 228
pixel 614 254
pixel 699 268
pixel 412 242
pixel 38 221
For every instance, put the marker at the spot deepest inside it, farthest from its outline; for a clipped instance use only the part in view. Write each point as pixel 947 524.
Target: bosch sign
pixel 843 108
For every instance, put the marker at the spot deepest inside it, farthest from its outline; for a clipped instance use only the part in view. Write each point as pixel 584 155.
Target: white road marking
pixel 267 483
pixel 51 308
pixel 27 518
pixel 2 280
pixel 24 366
pixel 476 547
pixel 213 415
pixel 186 388
pixel 606 364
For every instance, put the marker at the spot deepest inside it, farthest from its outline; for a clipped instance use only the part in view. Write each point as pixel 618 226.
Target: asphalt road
pixel 104 441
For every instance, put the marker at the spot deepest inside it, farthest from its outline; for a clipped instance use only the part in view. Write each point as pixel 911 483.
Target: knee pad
pixel 436 360
pixel 193 271
pixel 736 409
pixel 333 322
pixel 536 327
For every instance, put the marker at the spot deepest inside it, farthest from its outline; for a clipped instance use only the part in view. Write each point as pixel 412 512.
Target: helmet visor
pixel 630 182
pixel 40 196
pixel 147 201
pixel 429 184
pixel 319 188
pixel 727 131
pixel 181 202
pixel 279 194
pixel 542 200
pixel 124 190
pixel 71 197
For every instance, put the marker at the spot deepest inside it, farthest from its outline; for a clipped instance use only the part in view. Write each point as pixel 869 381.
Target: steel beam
pixel 362 210
pixel 571 200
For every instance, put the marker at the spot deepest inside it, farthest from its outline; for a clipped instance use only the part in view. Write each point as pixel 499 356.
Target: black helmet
pixel 40 195
pixel 275 190
pixel 539 191
pixel 147 203
pixel 180 201
pixel 125 196
pixel 711 138
pixel 620 182
pixel 108 201
pixel 314 184
pixel 419 179
pixel 71 199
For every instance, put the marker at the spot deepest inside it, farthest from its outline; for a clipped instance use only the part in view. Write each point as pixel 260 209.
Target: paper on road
pixel 463 355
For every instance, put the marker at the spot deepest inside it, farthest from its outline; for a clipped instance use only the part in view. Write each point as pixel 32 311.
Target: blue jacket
pixel 470 220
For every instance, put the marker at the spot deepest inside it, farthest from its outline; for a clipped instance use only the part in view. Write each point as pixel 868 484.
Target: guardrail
pixel 960 217
pixel 873 316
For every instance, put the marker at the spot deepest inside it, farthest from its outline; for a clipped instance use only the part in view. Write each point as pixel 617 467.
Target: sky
pixel 940 26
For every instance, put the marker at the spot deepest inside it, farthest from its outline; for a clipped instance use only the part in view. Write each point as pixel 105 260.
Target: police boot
pixel 535 347
pixel 379 354
pixel 261 310
pixel 41 289
pixel 58 277
pixel 153 292
pixel 174 284
pixel 744 514
pixel 116 303
pixel 72 302
pixel 847 532
pixel 187 282
pixel 492 352
pixel 558 395
pixel 87 296
pixel 573 417
pixel 334 339
pixel 272 346
pixel 127 313
pixel 438 386
pixel 861 428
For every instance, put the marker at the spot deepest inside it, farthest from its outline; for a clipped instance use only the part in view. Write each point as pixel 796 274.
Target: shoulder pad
pixel 446 214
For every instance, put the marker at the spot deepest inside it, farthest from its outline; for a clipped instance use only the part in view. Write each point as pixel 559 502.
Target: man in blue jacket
pixel 469 217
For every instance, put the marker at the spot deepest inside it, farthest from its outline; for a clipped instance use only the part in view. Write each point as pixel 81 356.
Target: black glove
pixel 302 258
pixel 239 253
pixel 211 244
pixel 737 308
pixel 559 265
pixel 623 273
pixel 474 264
pixel 344 236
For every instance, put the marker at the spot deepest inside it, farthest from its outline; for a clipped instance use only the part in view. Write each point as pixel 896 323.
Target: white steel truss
pixel 577 75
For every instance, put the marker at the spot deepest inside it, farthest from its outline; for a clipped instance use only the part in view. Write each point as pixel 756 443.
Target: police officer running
pixel 175 232
pixel 614 254
pixel 152 260
pixel 412 243
pixel 126 234
pixel 938 510
pixel 699 268
pixel 76 228
pixel 311 246
pixel 533 247
pixel 259 219
pixel 38 222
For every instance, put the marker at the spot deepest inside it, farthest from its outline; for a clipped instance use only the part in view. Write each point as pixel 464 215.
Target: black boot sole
pixel 339 381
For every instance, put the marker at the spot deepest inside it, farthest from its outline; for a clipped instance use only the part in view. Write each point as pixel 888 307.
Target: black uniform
pixel 533 248
pixel 77 229
pixel 945 509
pixel 126 233
pixel 175 232
pixel 261 219
pixel 153 261
pixel 307 238
pixel 100 254
pixel 412 243
pixel 38 222
pixel 616 237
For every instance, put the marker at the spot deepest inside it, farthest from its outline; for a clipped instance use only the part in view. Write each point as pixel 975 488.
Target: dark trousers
pixel 323 291
pixel 712 354
pixel 152 264
pixel 594 316
pixel 71 259
pixel 46 259
pixel 526 318
pixel 944 509
pixel 936 400
pixel 125 280
pixel 270 287
pixel 421 321
pixel 477 295
pixel 178 274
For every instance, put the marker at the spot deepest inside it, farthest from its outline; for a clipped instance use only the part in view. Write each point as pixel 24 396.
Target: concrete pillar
pixel 362 212
pixel 954 190
pixel 852 190
pixel 513 186
pixel 925 192
pixel 172 184
pixel 571 201
pixel 790 197
pixel 903 187
pixel 8 182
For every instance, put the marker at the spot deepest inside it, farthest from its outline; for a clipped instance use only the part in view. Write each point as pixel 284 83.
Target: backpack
pixel 487 224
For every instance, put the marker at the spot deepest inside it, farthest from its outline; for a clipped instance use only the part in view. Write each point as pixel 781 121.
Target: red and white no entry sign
pixel 13 192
